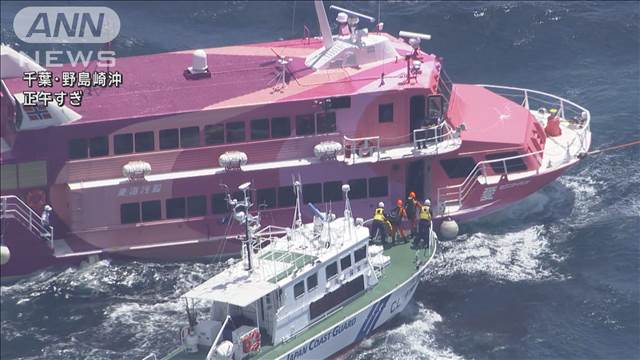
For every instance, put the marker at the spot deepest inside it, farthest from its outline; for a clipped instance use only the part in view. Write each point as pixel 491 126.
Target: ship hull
pixel 357 327
pixel 168 241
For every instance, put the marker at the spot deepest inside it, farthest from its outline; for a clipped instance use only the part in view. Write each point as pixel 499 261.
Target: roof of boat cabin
pixel 273 266
pixel 155 85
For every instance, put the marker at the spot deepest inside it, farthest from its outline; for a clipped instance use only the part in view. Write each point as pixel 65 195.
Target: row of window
pixel 269 198
pixel 187 137
pixel 215 134
pixel 331 271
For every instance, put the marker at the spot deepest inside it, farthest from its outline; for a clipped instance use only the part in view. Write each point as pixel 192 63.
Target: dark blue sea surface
pixel 555 276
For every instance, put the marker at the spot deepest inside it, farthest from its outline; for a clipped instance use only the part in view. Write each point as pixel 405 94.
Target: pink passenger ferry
pixel 141 170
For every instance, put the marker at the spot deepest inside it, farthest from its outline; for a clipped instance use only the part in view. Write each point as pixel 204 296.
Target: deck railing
pixel 456 194
pixel 12 207
pixel 441 132
pixel 533 99
pixel 365 147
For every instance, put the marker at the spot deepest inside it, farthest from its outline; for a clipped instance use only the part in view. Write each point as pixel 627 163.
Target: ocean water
pixel 555 276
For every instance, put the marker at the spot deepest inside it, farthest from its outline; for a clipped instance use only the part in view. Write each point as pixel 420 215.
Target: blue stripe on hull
pixel 372 318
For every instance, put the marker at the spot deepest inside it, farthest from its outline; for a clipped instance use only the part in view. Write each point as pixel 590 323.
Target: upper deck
pixel 243 75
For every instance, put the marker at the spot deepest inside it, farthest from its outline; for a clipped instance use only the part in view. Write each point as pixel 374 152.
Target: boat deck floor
pixel 402 266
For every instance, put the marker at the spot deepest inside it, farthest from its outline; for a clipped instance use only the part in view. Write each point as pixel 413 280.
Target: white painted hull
pixel 360 325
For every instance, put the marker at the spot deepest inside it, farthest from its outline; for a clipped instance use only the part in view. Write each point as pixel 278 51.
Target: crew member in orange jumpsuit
pixel 411 207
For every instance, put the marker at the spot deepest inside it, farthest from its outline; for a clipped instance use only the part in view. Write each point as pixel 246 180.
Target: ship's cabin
pixel 295 282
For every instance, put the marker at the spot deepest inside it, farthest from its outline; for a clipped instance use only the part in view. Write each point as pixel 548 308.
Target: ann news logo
pixel 66 24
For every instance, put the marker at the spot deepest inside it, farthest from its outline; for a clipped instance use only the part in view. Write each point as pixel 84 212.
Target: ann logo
pixel 42 25
pixel 66 24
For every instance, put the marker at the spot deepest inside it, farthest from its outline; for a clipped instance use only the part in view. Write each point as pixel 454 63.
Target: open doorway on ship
pixel 416 114
pixel 418 179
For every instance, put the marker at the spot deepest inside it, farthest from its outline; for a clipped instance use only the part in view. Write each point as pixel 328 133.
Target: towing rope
pixel 620 146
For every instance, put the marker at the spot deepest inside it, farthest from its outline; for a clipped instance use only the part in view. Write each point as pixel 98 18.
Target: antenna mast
pixel 327 38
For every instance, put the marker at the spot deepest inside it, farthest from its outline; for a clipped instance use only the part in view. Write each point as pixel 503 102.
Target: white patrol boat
pixel 305 292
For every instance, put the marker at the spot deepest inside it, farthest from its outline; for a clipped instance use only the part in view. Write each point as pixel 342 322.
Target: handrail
pixel 462 190
pixel 212 350
pixel 449 134
pixel 351 147
pixel 13 206
pixel 561 104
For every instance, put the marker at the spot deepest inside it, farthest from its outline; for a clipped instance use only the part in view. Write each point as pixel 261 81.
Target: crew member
pixel 396 221
pixel 424 225
pixel 411 206
pixel 45 218
pixel 553 124
pixel 343 27
pixel 379 221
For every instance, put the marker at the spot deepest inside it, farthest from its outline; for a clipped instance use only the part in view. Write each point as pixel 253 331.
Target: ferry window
pixel 130 213
pixel 458 167
pixel 214 134
pixel 326 122
pixel 331 270
pixel 280 127
pixel 512 164
pixel 312 282
pixel 332 191
pixel 360 254
pixel 189 137
pixel 145 141
pixel 305 125
pixel 259 129
pixel 378 186
pixel 298 289
pixel 219 204
pixel 98 146
pixel 169 139
pixel 196 205
pixel 358 189
pixel 312 193
pixel 235 131
pixel 342 102
pixel 385 113
pixel 267 197
pixel 78 149
pixel 286 196
pixel 123 144
pixel 176 208
pixel 151 210
pixel 345 262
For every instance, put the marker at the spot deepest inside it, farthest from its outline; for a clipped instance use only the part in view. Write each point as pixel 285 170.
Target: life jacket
pixel 379 214
pixel 424 213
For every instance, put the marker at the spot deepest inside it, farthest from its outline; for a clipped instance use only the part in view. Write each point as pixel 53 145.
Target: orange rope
pixel 636 142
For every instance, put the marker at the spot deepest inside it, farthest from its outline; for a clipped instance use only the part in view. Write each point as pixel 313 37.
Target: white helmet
pixel 342 18
pixel 47 208
pixel 427 202
pixel 380 204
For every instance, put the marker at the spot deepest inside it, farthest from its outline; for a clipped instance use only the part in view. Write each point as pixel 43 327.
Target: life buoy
pixel 362 150
pixel 36 199
pixel 251 341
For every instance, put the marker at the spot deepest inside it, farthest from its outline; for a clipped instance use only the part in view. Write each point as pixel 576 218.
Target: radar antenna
pixel 279 81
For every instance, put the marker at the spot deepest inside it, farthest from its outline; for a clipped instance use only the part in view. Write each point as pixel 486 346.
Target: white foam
pixel 515 256
pixel 414 339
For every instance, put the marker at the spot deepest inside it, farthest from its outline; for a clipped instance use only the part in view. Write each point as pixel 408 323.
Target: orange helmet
pixel 399 202
pixel 412 195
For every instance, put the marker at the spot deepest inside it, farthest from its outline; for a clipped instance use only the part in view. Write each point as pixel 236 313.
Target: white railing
pixel 442 132
pixel 456 194
pixel 365 147
pixel 12 207
pixel 533 99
